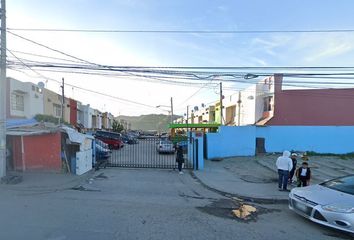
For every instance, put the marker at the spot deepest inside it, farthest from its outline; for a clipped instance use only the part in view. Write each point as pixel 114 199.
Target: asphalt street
pixel 143 204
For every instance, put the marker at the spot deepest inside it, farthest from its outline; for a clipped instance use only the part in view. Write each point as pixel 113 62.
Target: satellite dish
pixel 40 85
pixel 203 105
pixel 250 97
pixel 196 108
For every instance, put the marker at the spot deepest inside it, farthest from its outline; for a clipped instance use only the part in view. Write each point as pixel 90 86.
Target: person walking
pixel 292 171
pixel 284 165
pixel 180 158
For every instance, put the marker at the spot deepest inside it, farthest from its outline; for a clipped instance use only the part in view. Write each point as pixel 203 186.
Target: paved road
pixel 143 204
pixel 143 154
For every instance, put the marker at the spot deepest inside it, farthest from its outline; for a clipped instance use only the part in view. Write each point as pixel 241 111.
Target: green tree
pixel 117 127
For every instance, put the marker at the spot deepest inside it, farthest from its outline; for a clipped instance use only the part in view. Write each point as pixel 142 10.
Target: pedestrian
pixel 284 165
pixel 292 171
pixel 180 158
pixel 303 175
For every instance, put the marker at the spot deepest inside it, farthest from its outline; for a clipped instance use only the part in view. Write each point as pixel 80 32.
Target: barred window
pixel 17 102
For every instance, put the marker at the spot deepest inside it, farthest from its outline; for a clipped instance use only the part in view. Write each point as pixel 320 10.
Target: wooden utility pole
pixel 62 101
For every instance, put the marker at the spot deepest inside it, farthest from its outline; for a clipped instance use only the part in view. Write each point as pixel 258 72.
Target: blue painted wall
pixel 241 141
pixel 320 139
pixel 192 151
pixel 231 141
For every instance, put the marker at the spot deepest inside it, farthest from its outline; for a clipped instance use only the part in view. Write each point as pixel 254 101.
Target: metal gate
pixel 150 153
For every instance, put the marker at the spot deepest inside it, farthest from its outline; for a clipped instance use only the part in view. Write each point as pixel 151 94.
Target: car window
pixel 344 184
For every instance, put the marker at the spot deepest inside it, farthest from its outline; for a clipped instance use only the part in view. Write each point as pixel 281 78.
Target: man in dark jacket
pixel 180 159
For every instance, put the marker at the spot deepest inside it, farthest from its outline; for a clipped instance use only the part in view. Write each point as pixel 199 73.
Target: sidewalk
pixel 45 180
pixel 255 178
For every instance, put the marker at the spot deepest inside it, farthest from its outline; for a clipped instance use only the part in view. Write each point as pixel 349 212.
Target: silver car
pixel 165 147
pixel 330 203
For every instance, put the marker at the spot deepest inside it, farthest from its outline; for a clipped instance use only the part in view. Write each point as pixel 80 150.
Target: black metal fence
pixel 149 153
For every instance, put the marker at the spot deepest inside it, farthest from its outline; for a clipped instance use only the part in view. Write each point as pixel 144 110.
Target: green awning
pixel 194 125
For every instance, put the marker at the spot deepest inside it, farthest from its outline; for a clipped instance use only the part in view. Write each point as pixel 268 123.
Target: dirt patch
pixel 12 180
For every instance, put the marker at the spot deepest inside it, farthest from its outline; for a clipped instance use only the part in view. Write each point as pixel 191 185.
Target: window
pixel 268 104
pixel 56 110
pixel 33 88
pixel 17 102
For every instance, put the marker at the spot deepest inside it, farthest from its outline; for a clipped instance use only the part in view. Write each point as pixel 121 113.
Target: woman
pixel 180 159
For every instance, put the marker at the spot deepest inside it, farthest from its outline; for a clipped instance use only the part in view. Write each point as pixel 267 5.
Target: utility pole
pixel 62 101
pixel 221 106
pixel 239 109
pixel 187 118
pixel 3 91
pixel 171 110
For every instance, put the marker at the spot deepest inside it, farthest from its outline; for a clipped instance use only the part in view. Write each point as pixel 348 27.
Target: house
pixel 312 107
pixel 73 112
pixel 24 99
pixel 96 119
pixel 53 105
pixel 107 120
pixel 208 114
pixel 85 113
pixel 249 106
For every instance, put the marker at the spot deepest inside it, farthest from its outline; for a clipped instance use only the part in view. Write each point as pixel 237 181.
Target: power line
pixel 85 89
pixel 43 56
pixel 195 31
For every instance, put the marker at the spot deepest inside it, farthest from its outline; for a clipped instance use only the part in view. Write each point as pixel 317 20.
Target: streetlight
pixel 171 111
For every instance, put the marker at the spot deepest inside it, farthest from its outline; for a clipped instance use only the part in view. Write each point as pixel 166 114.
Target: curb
pixel 241 197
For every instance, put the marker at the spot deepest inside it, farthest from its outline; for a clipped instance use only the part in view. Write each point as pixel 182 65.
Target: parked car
pixel 165 147
pixel 129 139
pixel 113 140
pixel 102 144
pixel 102 152
pixel 330 203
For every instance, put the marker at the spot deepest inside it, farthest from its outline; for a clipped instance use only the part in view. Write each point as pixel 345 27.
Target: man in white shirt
pixel 284 165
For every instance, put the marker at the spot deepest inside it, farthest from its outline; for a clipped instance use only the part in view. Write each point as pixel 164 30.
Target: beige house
pixel 52 105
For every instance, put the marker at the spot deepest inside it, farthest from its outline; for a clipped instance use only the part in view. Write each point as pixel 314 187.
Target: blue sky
pixel 282 49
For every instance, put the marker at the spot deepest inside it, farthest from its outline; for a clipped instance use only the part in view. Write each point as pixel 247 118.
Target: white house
pixel 251 105
pixel 25 99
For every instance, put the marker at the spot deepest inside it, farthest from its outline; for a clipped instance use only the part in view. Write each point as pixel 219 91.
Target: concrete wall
pixel 231 141
pixel 241 141
pixel 320 139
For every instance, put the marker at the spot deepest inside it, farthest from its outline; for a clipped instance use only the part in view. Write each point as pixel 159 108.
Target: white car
pixel 330 203
pixel 165 147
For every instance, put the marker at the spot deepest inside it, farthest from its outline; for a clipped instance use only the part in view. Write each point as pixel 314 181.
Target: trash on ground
pixel 244 211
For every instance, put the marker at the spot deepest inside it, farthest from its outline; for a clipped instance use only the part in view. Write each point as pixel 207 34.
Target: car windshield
pixel 344 184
